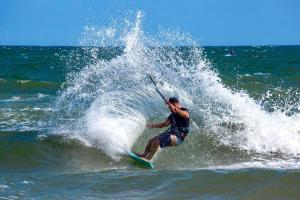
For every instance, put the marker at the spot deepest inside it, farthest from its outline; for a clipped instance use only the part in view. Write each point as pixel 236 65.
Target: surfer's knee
pixel 156 141
pixel 174 140
pixel 151 140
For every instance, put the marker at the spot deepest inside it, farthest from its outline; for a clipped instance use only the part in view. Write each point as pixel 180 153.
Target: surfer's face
pixel 177 105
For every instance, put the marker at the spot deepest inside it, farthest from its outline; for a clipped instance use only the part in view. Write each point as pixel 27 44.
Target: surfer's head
pixel 174 101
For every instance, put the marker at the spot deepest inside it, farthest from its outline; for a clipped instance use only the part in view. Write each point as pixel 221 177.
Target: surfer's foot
pixel 140 155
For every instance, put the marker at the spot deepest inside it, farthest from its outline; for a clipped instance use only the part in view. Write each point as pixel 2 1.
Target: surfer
pixel 179 122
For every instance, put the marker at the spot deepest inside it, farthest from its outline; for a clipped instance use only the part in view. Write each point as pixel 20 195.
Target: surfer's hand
pixel 172 108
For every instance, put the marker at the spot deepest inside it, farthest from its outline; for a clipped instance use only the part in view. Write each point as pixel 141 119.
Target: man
pixel 179 120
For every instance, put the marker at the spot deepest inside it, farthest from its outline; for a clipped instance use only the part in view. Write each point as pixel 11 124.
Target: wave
pixel 29 151
pixel 110 101
pixel 33 83
pixel 23 97
pixel 32 151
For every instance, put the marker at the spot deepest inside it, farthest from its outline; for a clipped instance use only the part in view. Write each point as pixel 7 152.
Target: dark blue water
pixel 58 104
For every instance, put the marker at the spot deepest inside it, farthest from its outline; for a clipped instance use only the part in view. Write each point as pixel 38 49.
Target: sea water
pixel 69 114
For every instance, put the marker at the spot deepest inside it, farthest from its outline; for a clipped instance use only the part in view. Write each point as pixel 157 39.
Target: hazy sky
pixel 211 22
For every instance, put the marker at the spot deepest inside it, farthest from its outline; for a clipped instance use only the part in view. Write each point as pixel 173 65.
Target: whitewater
pixel 113 100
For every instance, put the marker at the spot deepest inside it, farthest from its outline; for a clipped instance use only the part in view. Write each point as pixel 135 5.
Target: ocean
pixel 68 114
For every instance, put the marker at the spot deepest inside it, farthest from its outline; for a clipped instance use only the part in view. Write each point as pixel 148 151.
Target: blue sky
pixel 211 22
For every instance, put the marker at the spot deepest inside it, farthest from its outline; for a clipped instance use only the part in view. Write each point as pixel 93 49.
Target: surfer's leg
pixel 147 149
pixel 162 140
pixel 175 140
pixel 154 147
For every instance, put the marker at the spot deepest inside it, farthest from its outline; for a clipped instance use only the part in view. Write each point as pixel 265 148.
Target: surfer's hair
pixel 173 100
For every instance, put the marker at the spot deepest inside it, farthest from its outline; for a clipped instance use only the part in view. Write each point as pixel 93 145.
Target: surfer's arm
pixel 182 113
pixel 160 125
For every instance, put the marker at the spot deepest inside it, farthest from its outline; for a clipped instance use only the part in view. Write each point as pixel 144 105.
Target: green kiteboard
pixel 141 161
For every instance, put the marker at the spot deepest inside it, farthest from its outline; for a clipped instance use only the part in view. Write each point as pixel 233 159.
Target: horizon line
pixel 26 45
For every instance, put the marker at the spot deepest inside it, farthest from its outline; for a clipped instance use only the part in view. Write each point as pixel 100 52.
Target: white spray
pixel 118 99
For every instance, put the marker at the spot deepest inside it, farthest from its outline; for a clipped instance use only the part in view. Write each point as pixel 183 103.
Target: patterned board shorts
pixel 165 139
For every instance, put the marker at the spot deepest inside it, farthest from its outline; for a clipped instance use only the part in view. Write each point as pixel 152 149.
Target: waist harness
pixel 180 132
